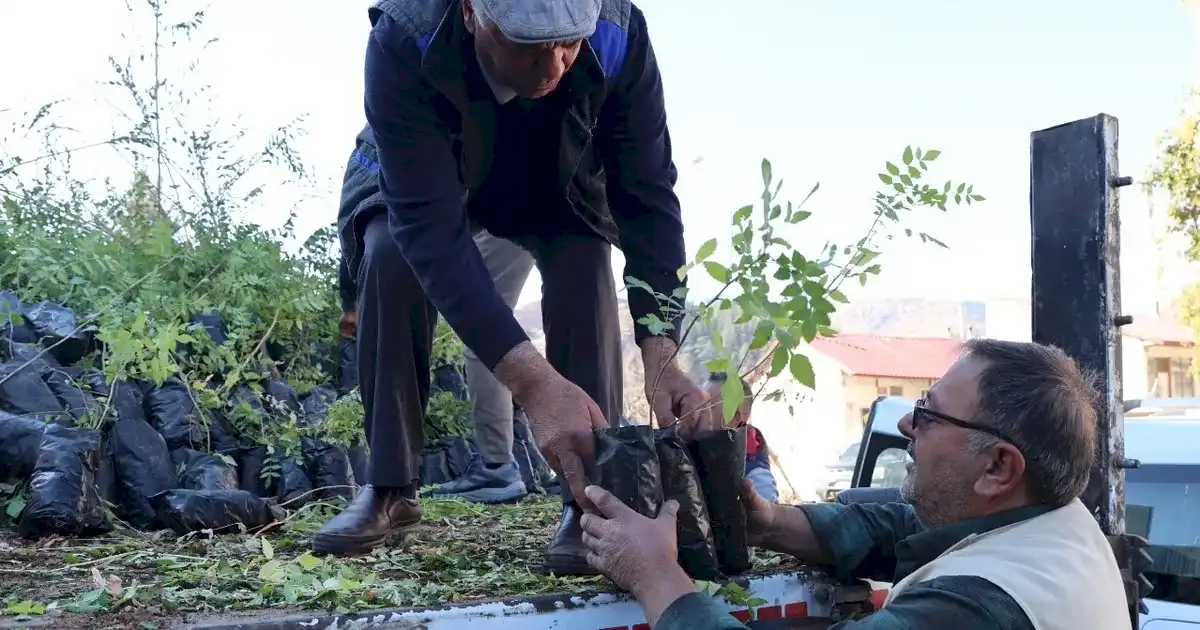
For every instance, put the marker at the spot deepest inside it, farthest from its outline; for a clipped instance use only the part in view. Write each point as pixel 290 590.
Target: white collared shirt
pixel 502 93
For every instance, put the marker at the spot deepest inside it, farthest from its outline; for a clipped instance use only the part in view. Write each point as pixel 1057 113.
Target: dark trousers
pixel 395 336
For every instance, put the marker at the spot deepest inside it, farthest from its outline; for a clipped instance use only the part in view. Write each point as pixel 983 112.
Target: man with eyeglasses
pixel 992 534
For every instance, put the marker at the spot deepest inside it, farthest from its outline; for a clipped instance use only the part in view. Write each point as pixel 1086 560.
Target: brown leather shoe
pixel 366 523
pixel 567 555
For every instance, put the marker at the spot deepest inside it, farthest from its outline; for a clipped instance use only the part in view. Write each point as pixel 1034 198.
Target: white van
pixel 1162 495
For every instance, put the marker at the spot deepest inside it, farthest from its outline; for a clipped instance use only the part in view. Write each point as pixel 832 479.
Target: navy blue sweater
pixel 424 193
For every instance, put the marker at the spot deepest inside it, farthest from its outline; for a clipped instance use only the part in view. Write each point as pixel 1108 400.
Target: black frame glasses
pixel 924 414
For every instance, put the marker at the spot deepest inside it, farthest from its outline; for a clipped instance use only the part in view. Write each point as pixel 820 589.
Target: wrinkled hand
pixel 628 548
pixel 760 514
pixel 676 397
pixel 348 324
pixel 563 418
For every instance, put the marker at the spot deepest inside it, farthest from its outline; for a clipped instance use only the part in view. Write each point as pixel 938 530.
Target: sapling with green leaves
pixel 786 297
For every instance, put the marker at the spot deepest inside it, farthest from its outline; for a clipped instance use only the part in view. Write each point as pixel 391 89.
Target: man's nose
pixel 906 426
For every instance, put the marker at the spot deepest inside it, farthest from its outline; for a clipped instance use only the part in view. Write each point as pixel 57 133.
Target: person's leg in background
pixel 395 336
pixel 583 342
pixel 494 476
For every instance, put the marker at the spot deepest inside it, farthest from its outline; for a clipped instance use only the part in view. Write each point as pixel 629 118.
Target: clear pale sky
pixel 826 89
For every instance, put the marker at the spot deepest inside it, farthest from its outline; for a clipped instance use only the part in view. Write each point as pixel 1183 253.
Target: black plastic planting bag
pixel 20 441
pixel 525 449
pixel 78 402
pixel 25 393
pixel 445 460
pixel 172 410
pixel 59 330
pixel 281 399
pixel 627 466
pixel 219 511
pixel 201 471
pixel 449 378
pixel 317 402
pixel 124 398
pixel 62 492
pixel 267 475
pixel 143 468
pixel 720 458
pixel 328 468
pixel 697 553
pixel 13 326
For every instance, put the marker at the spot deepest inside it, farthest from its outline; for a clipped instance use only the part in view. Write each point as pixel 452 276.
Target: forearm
pixel 522 369
pixel 671 602
pixel 793 534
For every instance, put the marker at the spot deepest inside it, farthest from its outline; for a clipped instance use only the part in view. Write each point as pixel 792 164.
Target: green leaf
pixel 802 370
pixel 838 296
pixel 742 214
pixel 779 361
pixel 25 607
pixel 307 561
pixel 717 271
pixel 268 550
pixel 885 178
pixel 893 169
pixel 908 155
pixel 766 172
pixel 707 248
pixel 731 397
pixel 932 155
pixel 14 507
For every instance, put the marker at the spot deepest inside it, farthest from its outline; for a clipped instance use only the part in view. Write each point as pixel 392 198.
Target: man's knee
pixel 383 269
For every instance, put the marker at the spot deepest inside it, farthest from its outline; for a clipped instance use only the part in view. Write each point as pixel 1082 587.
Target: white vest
pixel 1059 567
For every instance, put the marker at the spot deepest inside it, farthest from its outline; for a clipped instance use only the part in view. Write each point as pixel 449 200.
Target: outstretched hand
pixel 563 419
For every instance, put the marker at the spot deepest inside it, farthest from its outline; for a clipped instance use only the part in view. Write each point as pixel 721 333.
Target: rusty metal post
pixel 1075 224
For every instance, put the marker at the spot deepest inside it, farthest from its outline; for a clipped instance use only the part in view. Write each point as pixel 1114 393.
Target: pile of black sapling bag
pixel 644 467
pixel 86 451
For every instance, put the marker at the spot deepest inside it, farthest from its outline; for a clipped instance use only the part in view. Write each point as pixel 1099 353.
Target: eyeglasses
pixel 923 415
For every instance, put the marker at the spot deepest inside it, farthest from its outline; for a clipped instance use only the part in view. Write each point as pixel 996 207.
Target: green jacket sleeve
pixel 697 611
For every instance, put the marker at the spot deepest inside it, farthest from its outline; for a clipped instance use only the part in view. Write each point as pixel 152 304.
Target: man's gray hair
pixel 1038 396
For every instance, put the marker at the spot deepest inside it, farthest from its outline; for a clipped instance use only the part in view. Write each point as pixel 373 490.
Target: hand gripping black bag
pixel 627 466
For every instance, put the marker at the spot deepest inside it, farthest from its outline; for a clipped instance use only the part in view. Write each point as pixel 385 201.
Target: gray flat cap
pixel 541 21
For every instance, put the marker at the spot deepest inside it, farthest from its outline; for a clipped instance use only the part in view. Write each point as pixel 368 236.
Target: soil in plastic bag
pixel 25 393
pixel 220 438
pixel 697 553
pixel 33 354
pixel 213 326
pixel 218 511
pixel 56 325
pixel 282 400
pixel 201 471
pixel 449 378
pixel 347 365
pixel 271 476
pixel 78 402
pixel 627 466
pixel 62 492
pixel 20 441
pixel 143 469
pixel 126 396
pixel 14 328
pixel 172 411
pixel 316 404
pixel 720 458
pixel 358 463
pixel 328 468
pixel 445 460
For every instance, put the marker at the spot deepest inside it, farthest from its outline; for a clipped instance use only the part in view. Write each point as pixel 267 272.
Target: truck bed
pixel 465 566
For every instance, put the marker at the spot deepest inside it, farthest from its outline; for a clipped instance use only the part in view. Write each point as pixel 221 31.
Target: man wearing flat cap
pixel 543 123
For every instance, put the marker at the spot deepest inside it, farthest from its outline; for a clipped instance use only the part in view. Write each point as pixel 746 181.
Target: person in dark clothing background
pixel 542 122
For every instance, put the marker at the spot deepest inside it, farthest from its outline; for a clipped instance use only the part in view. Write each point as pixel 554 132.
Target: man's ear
pixel 468 12
pixel 1004 472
